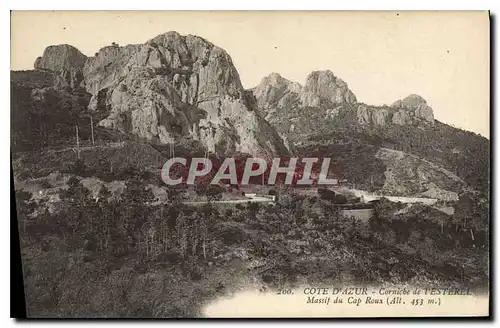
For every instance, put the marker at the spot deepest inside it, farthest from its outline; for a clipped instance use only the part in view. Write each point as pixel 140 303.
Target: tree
pixel 76 215
pixel 24 206
pixel 103 196
pixel 471 216
pixel 180 228
pixel 172 194
pixel 137 193
pixel 76 194
pixel 79 167
pixel 214 193
pixel 105 165
pixel 200 189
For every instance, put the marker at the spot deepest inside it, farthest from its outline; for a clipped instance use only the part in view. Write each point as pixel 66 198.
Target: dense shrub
pixel 104 259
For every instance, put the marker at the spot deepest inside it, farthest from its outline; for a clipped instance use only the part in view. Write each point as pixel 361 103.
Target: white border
pixel 255 5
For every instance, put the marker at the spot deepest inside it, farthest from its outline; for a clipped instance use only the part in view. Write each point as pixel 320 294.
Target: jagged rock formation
pixel 401 117
pixel 412 109
pixel 171 87
pixel 323 116
pixel 297 111
pixel 274 91
pixel 184 89
pixel 416 106
pixel 66 61
pixel 400 113
pixel 278 97
pixel 322 88
pixel 369 114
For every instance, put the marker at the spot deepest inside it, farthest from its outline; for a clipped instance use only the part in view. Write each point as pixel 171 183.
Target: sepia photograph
pixel 251 164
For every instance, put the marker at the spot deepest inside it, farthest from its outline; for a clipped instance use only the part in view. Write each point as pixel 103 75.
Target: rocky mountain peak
pixel 410 102
pixel 170 88
pixel 327 86
pixel 411 109
pixel 276 91
pixel 326 95
pixel 275 79
pixel 322 89
pixel 417 106
pixel 65 60
pixel 61 57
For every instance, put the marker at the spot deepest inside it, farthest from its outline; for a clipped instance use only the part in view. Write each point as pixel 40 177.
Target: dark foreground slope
pixel 129 259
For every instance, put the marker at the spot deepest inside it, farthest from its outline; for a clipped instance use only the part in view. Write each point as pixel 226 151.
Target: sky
pixel 382 56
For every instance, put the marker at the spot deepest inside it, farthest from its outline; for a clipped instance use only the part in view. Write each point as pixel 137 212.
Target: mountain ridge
pixel 176 89
pixel 170 87
pixel 323 89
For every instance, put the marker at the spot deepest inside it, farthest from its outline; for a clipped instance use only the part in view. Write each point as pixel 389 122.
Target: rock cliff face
pixel 66 61
pixel 170 87
pixel 325 105
pixel 369 114
pixel 175 86
pixel 412 109
pixel 299 111
pixel 416 106
pixel 330 96
pixel 322 88
pixel 274 91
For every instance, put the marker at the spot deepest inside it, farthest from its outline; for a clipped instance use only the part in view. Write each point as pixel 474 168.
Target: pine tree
pixel 24 207
pixel 137 193
pixel 103 196
pixel 76 194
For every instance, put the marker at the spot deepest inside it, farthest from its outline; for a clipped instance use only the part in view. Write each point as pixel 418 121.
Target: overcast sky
pixel 382 56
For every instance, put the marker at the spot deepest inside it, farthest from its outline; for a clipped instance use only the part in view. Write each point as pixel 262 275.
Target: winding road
pixel 251 198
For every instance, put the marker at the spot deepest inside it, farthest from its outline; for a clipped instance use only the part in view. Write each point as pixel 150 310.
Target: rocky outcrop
pixel 281 99
pixel 401 117
pixel 415 105
pixel 66 61
pixel 276 91
pixel 173 87
pixel 148 106
pixel 412 109
pixel 322 89
pixel 328 88
pixel 363 114
pixel 41 94
pixel 297 111
pixel 372 115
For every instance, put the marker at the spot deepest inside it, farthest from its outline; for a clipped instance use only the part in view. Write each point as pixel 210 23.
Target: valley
pixel 103 236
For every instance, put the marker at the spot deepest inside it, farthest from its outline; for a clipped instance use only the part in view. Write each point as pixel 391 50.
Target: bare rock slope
pixel 66 61
pixel 407 174
pixel 322 88
pixel 328 103
pixel 171 87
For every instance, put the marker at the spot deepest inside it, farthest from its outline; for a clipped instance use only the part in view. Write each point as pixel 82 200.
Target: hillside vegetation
pixel 125 258
pixel 103 236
